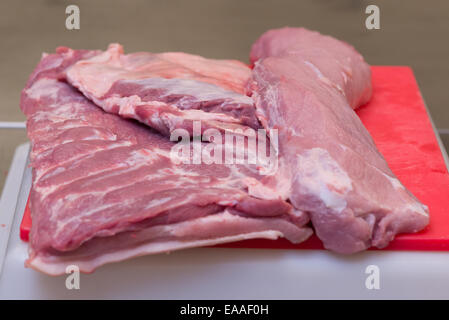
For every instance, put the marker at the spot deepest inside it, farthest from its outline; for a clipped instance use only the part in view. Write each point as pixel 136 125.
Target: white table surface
pixel 218 273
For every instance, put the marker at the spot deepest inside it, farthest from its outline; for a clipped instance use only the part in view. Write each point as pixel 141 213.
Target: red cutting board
pixel 398 121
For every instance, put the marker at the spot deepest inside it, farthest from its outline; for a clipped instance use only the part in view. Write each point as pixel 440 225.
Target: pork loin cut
pixel 306 86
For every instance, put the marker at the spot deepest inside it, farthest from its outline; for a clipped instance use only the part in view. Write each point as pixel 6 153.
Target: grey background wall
pixel 413 33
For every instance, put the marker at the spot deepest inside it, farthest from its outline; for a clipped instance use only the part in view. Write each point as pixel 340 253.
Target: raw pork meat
pixel 168 91
pixel 105 188
pixel 305 85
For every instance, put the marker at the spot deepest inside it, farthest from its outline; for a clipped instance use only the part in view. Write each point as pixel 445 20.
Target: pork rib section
pixel 306 85
pixel 168 91
pixel 105 189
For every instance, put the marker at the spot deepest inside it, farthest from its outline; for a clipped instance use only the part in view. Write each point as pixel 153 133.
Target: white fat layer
pixel 321 176
pixel 315 69
pixel 418 208
pixel 55 265
pixel 58 267
pixel 161 113
pixel 201 91
pixel 323 78
pixel 43 87
pixel 394 182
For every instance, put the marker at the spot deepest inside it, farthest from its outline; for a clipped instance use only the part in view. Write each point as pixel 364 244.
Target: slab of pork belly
pixel 105 188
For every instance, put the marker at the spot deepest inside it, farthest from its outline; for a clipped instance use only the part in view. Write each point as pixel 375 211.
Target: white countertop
pixel 218 273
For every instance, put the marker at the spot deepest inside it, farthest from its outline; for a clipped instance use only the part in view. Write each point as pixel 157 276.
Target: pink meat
pixel 105 188
pixel 168 91
pixel 306 85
